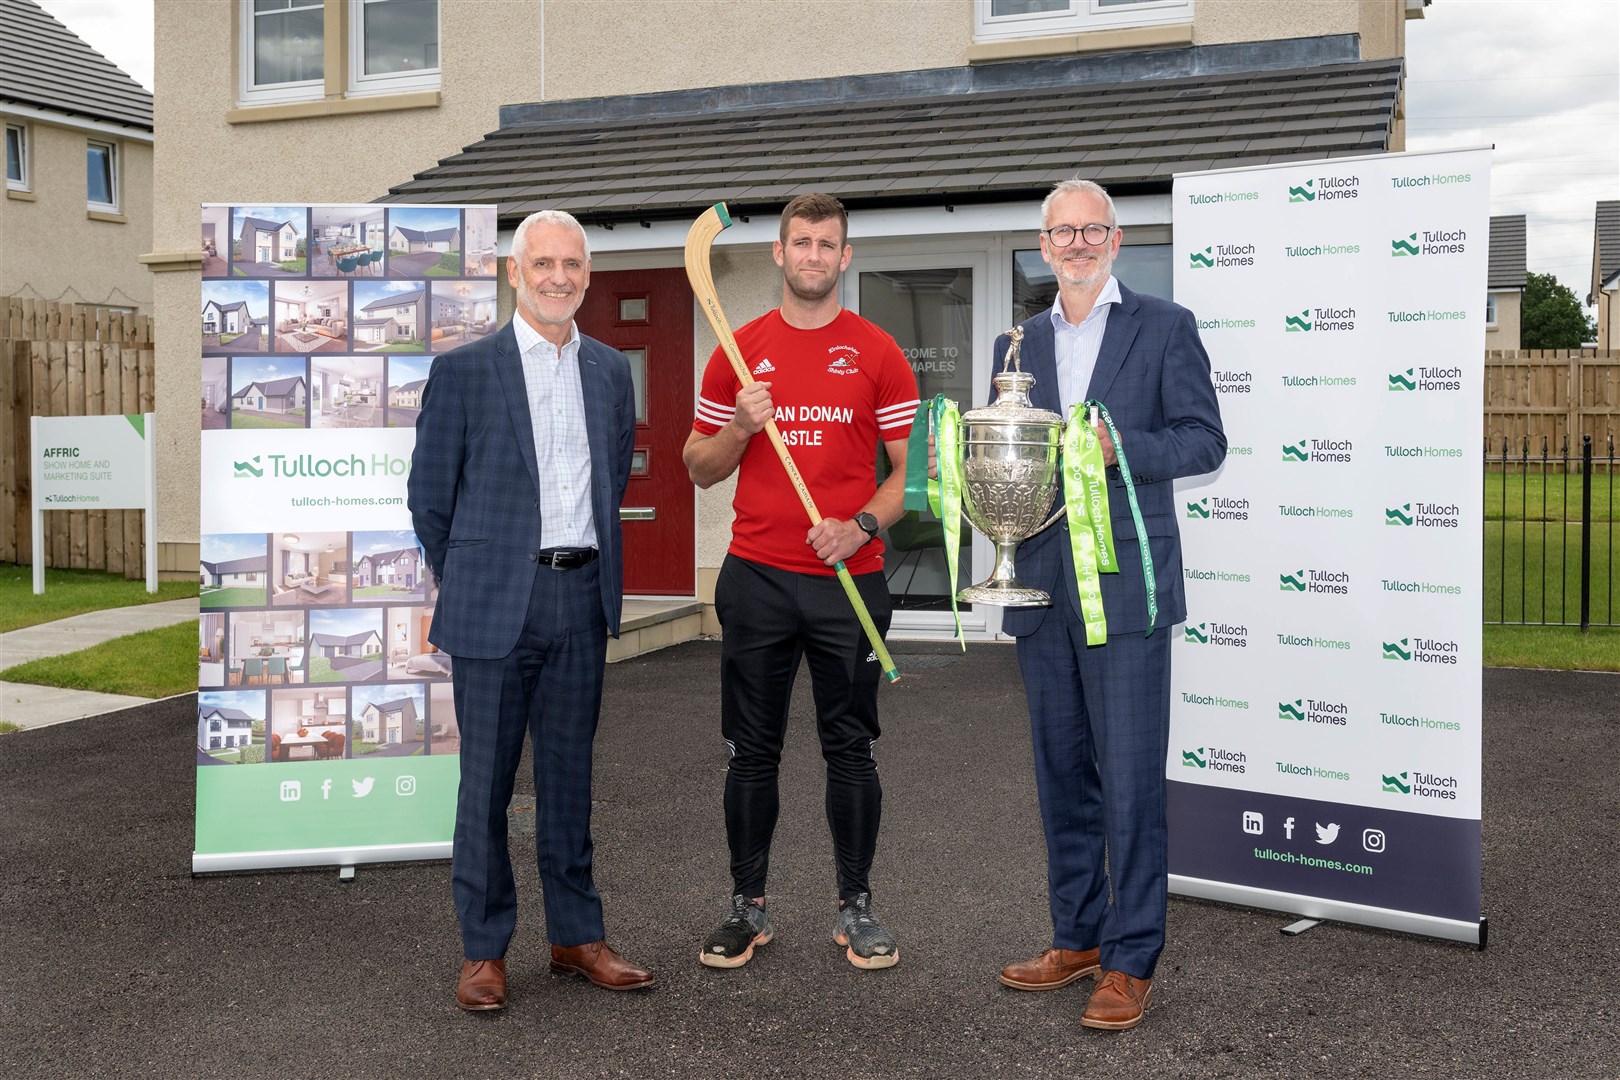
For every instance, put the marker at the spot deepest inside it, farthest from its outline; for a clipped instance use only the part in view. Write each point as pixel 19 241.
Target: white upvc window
pixel 393 46
pixel 101 176
pixel 997 20
pixel 282 51
pixel 17 157
pixel 1490 309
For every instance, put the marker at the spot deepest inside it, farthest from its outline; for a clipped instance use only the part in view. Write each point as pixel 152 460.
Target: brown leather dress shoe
pixel 482 985
pixel 1118 1002
pixel 598 962
pixel 1052 970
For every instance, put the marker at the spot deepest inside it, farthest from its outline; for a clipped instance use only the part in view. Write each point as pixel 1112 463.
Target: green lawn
pixel 226 598
pixel 150 664
pixel 320 671
pixel 449 265
pixel 383 592
pixel 73 592
pixel 1554 497
pixel 294 266
pixel 245 422
pixel 1562 648
pixel 401 346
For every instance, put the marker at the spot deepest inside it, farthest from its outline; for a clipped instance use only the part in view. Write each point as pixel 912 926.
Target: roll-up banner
pixel 326 726
pixel 1325 723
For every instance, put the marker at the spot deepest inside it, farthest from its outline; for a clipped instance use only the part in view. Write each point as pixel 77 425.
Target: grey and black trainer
pixel 869 945
pixel 732 943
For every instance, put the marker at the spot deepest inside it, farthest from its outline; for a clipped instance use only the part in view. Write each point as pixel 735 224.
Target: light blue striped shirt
pixel 1076 347
pixel 562 451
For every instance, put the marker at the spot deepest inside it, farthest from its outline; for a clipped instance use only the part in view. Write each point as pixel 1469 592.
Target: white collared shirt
pixel 562 451
pixel 1075 347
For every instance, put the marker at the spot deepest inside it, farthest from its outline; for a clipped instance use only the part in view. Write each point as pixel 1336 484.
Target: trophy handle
pixel 1057 515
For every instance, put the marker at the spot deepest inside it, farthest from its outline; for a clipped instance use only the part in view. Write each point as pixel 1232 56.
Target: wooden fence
pixel 68 360
pixel 1551 394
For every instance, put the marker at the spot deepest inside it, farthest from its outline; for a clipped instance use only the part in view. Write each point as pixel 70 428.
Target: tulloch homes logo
pixel 1222 256
pixel 1433 242
pixel 1398 650
pixel 319 467
pixel 1397 784
pixel 1399 516
pixel 1322 320
pixel 1321 189
pixel 1198 510
pixel 1421 785
pixel 1336 451
pixel 1422 650
pixel 1295 451
pixel 1425 379
pixel 1294 582
pixel 1298 324
pixel 1194 759
pixel 247 469
pixel 1215 759
pixel 1401 248
pixel 1196 635
pixel 1301 193
pixel 1424 515
pixel 1218 508
pixel 1314 711
pixel 1231 635
pixel 1291 710
pixel 1331 582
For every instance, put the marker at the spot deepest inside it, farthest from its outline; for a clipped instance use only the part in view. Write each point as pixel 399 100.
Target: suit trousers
pixel 549 685
pixel 1100 723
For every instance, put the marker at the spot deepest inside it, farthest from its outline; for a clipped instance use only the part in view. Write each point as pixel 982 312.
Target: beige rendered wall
pixel 488 53
pixel 51 249
pixel 1505 334
pixel 1608 322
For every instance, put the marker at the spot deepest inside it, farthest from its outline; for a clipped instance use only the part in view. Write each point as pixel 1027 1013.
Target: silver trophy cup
pixel 1010 477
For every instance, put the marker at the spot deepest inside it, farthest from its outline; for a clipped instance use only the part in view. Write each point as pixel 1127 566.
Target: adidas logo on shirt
pixel 764 366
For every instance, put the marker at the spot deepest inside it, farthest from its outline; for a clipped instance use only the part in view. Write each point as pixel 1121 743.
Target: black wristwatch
pixel 869 525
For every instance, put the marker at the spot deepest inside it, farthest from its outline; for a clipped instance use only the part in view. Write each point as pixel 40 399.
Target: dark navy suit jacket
pixel 1153 376
pixel 474 489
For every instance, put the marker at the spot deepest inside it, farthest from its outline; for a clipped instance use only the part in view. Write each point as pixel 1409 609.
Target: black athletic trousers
pixel 771 618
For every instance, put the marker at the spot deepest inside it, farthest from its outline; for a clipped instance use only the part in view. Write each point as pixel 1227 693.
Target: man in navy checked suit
pixel 522 455
pixel 1100 713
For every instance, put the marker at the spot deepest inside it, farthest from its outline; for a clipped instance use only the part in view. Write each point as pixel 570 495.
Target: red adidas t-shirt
pixel 839 391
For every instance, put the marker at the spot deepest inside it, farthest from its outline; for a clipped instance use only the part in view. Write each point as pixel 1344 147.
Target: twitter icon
pixel 1325 834
pixel 362 788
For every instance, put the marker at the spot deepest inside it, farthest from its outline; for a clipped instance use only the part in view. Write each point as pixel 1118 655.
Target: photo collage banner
pixel 326 726
pixel 1325 735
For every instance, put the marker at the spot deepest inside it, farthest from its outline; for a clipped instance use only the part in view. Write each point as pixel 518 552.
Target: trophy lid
pixel 1012 404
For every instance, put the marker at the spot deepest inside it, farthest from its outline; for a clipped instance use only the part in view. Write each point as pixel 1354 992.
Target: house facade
pixel 366 643
pixel 1504 282
pixel 220 318
pixel 411 241
pixel 1606 274
pixel 391 722
pixel 940 125
pixel 237 573
pixel 402 568
pixel 77 212
pixel 267 241
pixel 408 396
pixel 402 317
pixel 222 729
pixel 278 395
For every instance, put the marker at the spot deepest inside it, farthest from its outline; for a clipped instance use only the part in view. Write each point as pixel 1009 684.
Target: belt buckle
pixel 556 559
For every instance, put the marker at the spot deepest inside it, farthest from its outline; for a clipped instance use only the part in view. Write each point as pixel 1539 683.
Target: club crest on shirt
pixel 845 360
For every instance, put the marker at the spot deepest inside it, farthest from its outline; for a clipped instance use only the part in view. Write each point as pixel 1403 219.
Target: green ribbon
pixel 940 419
pixel 1091 533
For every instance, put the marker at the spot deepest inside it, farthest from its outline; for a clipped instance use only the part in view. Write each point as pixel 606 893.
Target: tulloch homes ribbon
pixel 940 419
pixel 1091 532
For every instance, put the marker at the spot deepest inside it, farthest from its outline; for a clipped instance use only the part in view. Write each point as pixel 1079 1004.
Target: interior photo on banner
pixel 326 726
pixel 1325 727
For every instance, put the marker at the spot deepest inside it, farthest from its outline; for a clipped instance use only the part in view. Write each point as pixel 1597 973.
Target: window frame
pixel 358 84
pixel 114 186
pixel 1080 17
pixel 272 93
pixel 1490 309
pixel 24 181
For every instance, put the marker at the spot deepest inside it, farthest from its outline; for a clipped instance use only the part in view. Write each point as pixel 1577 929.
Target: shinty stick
pixel 698 241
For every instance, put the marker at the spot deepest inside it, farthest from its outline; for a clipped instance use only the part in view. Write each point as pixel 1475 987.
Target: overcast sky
pixel 1538 80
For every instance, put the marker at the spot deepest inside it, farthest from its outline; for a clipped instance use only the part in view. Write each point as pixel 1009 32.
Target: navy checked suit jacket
pixel 1153 376
pixel 474 489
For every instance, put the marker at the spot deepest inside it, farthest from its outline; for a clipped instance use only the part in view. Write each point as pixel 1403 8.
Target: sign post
pixel 94 463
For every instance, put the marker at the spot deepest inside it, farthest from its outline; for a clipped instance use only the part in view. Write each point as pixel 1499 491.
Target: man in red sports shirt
pixel 837 386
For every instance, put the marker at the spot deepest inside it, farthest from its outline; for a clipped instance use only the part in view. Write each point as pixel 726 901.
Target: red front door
pixel 647 315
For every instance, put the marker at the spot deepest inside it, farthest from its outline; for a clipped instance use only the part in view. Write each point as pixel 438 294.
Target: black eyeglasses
pixel 1063 235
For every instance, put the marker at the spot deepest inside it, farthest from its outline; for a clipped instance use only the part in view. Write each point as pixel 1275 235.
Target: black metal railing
pixel 1549 534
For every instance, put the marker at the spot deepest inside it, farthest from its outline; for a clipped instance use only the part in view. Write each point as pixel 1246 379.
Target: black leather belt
pixel 565 558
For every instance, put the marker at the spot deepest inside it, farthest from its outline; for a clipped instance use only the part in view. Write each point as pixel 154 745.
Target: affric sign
pixel 94 463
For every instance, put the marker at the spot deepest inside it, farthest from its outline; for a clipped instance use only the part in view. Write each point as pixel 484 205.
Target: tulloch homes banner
pixel 326 726
pixel 1325 733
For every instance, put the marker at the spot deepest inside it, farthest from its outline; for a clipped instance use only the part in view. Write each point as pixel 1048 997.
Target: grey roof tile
pixel 44 64
pixel 1507 253
pixel 1605 242
pixel 989 144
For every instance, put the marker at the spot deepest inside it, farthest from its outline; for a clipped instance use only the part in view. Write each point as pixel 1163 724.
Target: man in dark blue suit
pixel 1100 711
pixel 522 455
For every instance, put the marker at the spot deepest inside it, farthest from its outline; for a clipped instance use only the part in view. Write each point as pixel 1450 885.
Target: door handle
pixel 637 513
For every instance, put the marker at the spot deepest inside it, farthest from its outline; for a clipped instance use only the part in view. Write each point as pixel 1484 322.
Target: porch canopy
pixel 943 137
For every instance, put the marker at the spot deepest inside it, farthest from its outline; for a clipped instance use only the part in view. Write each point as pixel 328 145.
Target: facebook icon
pixel 1288 828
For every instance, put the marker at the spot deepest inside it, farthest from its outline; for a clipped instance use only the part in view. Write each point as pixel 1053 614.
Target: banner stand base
pixel 346 873
pixel 1465 931
pixel 1298 928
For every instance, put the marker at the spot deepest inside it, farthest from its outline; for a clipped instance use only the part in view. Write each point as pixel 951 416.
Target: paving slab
pixel 92 628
